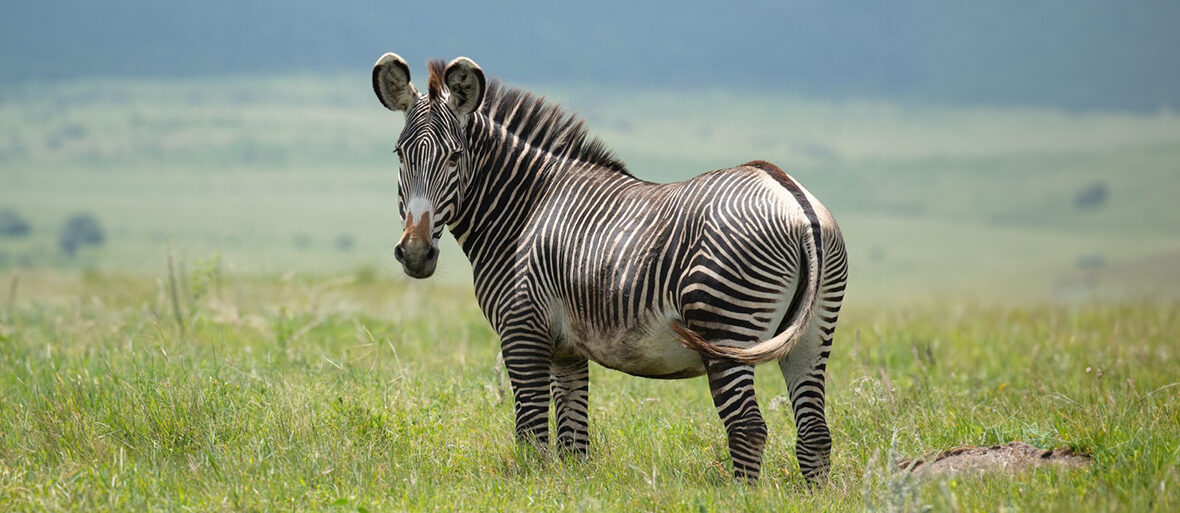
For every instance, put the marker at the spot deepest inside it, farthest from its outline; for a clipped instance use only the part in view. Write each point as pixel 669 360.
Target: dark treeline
pixel 1077 54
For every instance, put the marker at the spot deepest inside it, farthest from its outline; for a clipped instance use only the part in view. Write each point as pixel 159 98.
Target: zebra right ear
pixel 391 82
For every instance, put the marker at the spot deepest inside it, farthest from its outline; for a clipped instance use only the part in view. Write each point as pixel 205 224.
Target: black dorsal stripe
pixel 816 231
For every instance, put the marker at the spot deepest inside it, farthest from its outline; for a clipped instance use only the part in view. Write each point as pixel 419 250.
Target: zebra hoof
pixel 746 478
pixel 573 452
pixel 817 477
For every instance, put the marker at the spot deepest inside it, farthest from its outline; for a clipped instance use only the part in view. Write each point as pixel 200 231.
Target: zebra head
pixel 432 148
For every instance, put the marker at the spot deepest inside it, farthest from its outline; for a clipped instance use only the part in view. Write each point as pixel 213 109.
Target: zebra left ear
pixel 466 82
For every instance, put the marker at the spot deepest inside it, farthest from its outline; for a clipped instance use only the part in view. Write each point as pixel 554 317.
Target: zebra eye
pixel 398 151
pixel 453 160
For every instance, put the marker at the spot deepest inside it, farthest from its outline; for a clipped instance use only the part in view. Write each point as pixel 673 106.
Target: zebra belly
pixel 651 351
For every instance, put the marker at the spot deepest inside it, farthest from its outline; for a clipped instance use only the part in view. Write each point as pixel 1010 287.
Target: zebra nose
pixel 399 253
pixel 418 258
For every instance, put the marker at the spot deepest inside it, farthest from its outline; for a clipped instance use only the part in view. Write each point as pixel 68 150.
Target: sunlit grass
pixel 320 393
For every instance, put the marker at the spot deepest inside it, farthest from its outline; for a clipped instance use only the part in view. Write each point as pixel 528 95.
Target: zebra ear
pixel 466 82
pixel 391 82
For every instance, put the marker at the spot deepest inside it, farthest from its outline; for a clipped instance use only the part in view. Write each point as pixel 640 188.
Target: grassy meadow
pixel 309 394
pixel 242 340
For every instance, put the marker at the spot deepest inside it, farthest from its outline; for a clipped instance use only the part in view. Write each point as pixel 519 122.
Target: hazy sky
pixel 1079 53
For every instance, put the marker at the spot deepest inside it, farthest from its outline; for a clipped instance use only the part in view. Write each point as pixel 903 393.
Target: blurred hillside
pixel 295 174
pixel 996 149
pixel 1080 54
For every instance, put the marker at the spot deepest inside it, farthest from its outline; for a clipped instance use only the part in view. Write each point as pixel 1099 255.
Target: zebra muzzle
pixel 416 250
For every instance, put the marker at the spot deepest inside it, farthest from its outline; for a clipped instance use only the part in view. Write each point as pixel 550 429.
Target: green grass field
pixel 328 394
pixel 222 350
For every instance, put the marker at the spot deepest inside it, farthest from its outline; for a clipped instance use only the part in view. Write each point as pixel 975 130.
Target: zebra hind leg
pixel 571 393
pixel 804 371
pixel 732 385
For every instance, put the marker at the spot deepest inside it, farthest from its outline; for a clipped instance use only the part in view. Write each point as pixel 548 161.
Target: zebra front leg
pixel 804 371
pixel 571 395
pixel 528 359
pixel 732 385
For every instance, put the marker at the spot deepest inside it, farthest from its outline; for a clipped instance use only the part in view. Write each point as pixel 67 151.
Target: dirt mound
pixel 1010 457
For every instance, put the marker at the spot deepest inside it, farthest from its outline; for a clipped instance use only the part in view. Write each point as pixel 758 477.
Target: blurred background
pixel 1004 150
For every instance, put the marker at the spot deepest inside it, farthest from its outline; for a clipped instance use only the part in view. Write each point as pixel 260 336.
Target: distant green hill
pixel 1081 54
pixel 297 174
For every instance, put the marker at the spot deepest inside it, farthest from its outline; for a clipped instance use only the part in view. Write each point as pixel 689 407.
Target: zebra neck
pixel 507 178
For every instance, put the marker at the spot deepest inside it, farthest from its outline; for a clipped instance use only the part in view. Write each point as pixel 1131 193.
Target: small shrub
pixel 301 241
pixel 12 224
pixel 80 230
pixel 876 253
pixel 345 242
pixel 1091 197
pixel 1091 261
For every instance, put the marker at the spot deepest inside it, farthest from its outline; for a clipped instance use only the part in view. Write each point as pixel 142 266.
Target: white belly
pixel 651 350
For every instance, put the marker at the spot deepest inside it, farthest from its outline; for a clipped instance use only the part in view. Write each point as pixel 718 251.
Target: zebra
pixel 575 259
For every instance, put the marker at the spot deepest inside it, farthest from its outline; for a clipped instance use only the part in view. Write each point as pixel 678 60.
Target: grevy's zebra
pixel 575 259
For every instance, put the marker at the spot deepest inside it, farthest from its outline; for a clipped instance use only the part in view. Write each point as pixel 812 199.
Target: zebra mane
pixel 434 86
pixel 552 128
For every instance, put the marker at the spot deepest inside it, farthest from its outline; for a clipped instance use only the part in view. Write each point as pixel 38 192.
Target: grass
pixel 328 394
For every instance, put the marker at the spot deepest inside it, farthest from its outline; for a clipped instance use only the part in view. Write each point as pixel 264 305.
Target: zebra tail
pixel 779 345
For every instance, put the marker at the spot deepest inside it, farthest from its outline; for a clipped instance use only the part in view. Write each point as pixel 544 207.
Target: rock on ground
pixel 1009 457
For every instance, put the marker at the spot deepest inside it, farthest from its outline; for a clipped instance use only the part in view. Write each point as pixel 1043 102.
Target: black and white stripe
pixel 574 259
